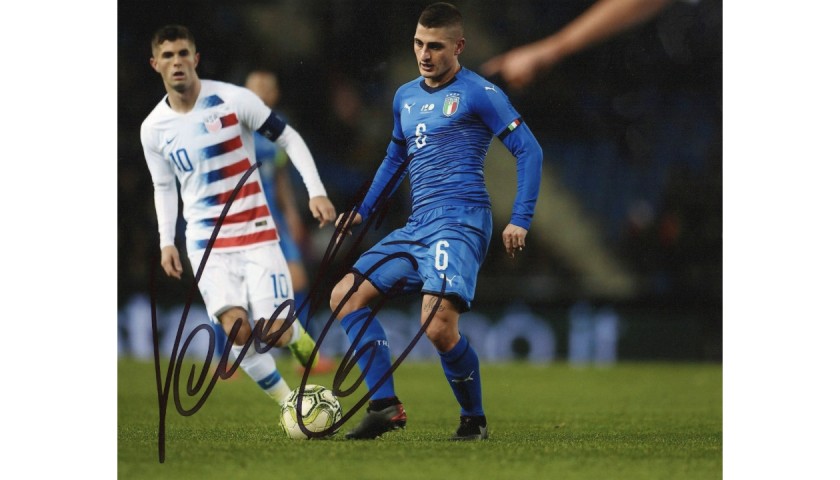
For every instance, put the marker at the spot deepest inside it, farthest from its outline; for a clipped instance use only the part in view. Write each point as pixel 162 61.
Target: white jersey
pixel 208 150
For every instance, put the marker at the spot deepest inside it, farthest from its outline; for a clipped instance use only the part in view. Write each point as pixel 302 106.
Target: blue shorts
pixel 437 252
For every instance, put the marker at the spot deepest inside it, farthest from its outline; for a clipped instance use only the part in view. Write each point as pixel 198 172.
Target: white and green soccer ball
pixel 320 410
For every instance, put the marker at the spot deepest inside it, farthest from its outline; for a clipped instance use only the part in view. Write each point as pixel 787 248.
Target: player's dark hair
pixel 440 14
pixel 171 33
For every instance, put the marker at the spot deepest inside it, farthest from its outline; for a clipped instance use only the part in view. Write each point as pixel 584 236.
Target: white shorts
pixel 256 279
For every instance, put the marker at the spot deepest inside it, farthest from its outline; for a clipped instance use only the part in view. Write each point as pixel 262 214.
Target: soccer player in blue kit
pixel 444 122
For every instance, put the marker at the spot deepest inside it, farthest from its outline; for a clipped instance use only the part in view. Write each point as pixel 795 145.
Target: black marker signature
pixel 260 333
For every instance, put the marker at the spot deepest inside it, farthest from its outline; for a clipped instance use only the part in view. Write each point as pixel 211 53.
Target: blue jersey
pixel 440 139
pixel 446 132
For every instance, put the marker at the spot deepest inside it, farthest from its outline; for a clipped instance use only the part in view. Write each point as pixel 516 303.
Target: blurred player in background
pixel 520 66
pixel 277 184
pixel 280 195
pixel 444 122
pixel 200 137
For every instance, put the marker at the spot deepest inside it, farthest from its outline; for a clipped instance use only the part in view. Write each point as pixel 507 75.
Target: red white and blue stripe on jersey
pixel 248 207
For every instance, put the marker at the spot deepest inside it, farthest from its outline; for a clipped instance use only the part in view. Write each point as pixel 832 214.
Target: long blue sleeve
pixel 524 146
pixel 388 177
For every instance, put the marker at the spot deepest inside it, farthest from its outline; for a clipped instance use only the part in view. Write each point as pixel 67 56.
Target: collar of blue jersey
pixel 435 89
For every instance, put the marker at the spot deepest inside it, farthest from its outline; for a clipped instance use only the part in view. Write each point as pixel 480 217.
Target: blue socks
pixel 376 360
pixel 460 365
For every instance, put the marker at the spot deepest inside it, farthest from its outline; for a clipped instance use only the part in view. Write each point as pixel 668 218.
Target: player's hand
pixel 322 209
pixel 344 226
pixel 520 66
pixel 170 260
pixel 514 239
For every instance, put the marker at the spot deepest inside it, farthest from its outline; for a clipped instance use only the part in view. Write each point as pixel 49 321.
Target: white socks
pixel 263 370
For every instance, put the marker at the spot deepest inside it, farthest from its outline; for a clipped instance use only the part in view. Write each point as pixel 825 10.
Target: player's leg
pixel 350 299
pixel 460 364
pixel 224 295
pixel 261 367
pixel 294 260
pixel 457 239
pixel 270 295
pixel 300 286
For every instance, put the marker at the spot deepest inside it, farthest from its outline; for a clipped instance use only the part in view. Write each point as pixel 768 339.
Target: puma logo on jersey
pixel 408 107
pixel 491 88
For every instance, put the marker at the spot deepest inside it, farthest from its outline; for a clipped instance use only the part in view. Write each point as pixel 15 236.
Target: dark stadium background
pixel 630 214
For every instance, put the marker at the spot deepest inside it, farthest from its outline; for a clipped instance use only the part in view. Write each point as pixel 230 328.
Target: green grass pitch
pixel 629 421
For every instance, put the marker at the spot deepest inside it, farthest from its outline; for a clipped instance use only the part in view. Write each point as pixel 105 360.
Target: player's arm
pixel 285 198
pixel 166 205
pixel 388 177
pixel 287 138
pixel 494 108
pixel 255 114
pixel 524 146
pixel 602 21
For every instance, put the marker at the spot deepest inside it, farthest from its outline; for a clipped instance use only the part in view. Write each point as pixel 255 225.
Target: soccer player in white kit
pixel 201 135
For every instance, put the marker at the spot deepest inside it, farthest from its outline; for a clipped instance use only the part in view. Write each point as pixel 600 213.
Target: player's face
pixel 437 50
pixel 264 86
pixel 176 62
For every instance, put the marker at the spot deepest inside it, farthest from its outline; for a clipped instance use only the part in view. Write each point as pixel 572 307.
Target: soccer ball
pixel 320 410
